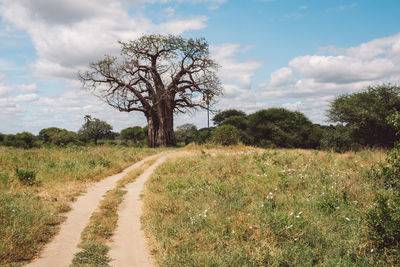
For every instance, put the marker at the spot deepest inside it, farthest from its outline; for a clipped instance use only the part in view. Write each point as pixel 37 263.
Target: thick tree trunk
pixel 161 129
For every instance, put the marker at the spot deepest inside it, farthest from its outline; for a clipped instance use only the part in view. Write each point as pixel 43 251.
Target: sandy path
pixel 129 248
pixel 61 250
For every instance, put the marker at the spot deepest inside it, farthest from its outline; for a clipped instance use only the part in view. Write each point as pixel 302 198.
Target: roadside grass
pixel 38 185
pixel 276 208
pixel 102 224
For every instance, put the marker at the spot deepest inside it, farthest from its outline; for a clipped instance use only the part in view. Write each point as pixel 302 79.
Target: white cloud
pixel 32 87
pixel 282 77
pixel 233 71
pixel 181 26
pixel 68 34
pixel 4 89
pixel 371 61
pixel 310 82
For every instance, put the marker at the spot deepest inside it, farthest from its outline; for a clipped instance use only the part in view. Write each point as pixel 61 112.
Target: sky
pixel 295 54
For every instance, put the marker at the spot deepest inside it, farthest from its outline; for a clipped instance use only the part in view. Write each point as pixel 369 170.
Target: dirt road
pixel 129 245
pixel 61 250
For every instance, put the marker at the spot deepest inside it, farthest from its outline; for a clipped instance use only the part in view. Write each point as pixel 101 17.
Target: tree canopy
pixel 186 133
pixel 366 114
pixel 157 75
pixel 220 117
pixel 95 129
pixel 134 134
pixel 280 127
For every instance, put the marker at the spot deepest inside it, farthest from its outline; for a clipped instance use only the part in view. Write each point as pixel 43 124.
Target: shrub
pixel 226 135
pixel 384 224
pixel 391 173
pixel 384 218
pixel 23 140
pixel 337 138
pixel 27 177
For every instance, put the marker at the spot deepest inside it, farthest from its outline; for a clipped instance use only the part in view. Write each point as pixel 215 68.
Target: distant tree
pixel 46 134
pixel 241 123
pixel 226 135
pixel 365 114
pixel 134 134
pixel 22 140
pixel 157 75
pixel 1 137
pixel 204 135
pixel 57 136
pixel 186 133
pixel 95 129
pixel 220 117
pixel 337 138
pixel 280 127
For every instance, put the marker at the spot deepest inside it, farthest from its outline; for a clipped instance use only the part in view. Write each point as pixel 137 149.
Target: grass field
pixel 276 208
pixel 37 186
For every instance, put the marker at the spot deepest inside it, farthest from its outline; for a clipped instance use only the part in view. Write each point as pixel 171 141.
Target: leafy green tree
pixel 242 124
pixel 95 129
pixel 186 133
pixel 280 127
pixel 158 76
pixel 226 135
pixel 204 135
pixel 57 136
pixel 134 134
pixel 365 114
pixel 23 140
pixel 337 138
pixel 220 117
pixel 1 137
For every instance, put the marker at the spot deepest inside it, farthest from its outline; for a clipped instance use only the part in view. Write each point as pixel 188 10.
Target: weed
pixel 25 176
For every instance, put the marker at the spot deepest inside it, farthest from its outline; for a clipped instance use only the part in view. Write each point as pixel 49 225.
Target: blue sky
pixel 297 54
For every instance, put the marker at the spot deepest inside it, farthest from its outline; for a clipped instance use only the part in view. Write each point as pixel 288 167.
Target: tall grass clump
pixel 38 185
pixel 276 208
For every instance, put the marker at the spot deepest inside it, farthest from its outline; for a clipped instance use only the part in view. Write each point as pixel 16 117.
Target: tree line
pixel 93 132
pixel 362 120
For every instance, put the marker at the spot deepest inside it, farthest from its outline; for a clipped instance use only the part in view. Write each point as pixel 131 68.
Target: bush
pixel 337 138
pixel 384 224
pixel 22 140
pixel 384 219
pixel 27 177
pixel 226 135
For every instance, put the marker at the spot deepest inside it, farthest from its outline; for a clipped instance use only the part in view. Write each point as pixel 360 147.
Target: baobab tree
pixel 159 76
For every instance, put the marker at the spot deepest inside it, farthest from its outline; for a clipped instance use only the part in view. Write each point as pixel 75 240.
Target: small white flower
pixel 296 239
pixel 372 250
pixel 291 213
pixel 13 211
pixel 297 216
pixel 300 212
pixel 233 231
pixel 347 219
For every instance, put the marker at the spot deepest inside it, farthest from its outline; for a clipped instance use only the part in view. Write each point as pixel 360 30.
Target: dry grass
pixel 276 208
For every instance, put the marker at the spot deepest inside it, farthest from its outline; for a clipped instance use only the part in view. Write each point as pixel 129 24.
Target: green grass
pixel 277 208
pixel 30 212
